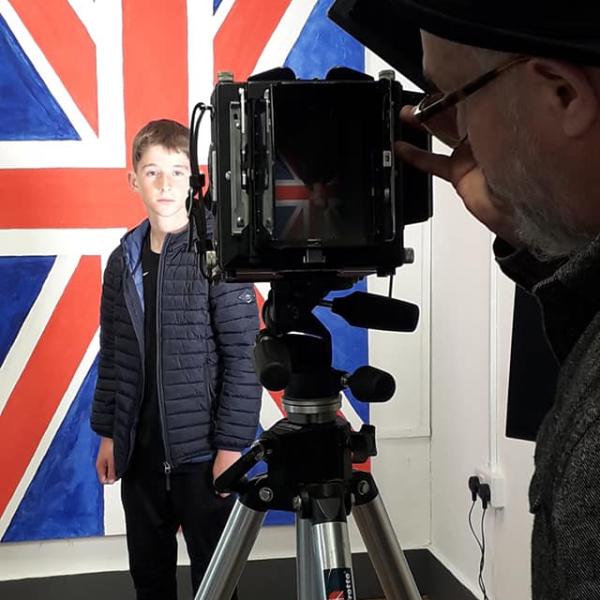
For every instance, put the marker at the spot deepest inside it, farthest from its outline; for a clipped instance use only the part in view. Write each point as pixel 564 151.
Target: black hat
pixel 568 31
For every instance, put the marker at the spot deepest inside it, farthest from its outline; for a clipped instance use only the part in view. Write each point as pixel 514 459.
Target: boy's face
pixel 162 180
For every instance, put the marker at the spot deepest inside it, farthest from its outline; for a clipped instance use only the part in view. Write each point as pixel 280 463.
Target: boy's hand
pixel 223 460
pixel 462 171
pixel 105 462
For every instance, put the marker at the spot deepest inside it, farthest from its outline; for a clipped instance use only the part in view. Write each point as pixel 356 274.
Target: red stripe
pixel 244 34
pixel 278 399
pixel 67 45
pixel 364 467
pixel 291 192
pixel 156 63
pixel 42 385
pixel 50 198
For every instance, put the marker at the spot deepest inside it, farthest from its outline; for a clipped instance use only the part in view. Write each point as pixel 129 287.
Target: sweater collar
pixel 571 298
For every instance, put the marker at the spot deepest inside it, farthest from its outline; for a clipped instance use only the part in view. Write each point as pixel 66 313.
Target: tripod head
pixel 294 351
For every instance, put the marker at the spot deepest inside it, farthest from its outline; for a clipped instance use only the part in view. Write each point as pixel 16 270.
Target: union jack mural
pixel 78 78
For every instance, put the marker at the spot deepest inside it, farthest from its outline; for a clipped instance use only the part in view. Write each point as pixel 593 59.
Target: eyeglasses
pixel 437 112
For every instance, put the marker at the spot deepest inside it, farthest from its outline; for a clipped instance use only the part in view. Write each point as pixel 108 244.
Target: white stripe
pixel 86 12
pixel 34 325
pixel 90 154
pixel 108 24
pixel 285 35
pixel 200 66
pixel 269 411
pixel 351 415
pixel 114 517
pixel 54 425
pixel 45 242
pixel 220 15
pixel 263 288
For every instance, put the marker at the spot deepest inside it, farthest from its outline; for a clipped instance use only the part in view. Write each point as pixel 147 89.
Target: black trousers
pixel 153 516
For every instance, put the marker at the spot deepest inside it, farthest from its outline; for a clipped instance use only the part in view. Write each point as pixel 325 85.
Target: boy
pixel 176 399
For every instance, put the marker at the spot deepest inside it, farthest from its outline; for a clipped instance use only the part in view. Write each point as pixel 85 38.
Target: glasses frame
pixel 423 112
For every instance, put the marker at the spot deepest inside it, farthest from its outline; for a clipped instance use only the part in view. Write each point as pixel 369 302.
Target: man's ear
pixel 133 182
pixel 570 95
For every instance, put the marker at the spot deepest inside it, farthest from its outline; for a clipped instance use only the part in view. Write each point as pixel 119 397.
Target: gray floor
pixel 262 580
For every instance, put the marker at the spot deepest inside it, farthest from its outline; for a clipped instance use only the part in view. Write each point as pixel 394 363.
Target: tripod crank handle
pixel 228 480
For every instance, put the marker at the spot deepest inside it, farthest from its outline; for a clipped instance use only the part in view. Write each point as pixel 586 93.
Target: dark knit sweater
pixel 565 489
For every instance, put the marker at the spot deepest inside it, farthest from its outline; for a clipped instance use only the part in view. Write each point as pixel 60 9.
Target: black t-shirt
pixel 149 452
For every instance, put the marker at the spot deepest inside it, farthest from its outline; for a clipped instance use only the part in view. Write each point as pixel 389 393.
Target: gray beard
pixel 546 236
pixel 539 226
pixel 536 194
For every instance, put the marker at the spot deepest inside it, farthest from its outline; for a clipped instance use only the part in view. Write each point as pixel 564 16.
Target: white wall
pixel 471 326
pixel 511 578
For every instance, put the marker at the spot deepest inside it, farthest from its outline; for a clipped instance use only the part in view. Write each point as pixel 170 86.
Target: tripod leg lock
pixel 362 444
pixel 364 488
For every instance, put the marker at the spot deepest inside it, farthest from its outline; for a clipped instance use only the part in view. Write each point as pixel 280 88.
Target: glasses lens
pixel 441 124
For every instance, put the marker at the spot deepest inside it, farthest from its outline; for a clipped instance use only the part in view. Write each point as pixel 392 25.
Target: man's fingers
pixel 408 116
pixel 436 164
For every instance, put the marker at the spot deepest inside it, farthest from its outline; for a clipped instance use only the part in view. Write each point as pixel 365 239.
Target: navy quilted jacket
pixel 207 389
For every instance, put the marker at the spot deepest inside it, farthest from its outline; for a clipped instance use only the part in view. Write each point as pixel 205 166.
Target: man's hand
pixel 462 171
pixel 223 460
pixel 105 461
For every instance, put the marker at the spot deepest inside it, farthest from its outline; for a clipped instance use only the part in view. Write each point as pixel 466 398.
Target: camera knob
pixel 388 74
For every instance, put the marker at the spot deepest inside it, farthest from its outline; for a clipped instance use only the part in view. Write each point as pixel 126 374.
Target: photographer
pixel 516 95
pixel 176 399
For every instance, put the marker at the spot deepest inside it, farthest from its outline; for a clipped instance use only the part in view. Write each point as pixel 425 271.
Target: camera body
pixel 304 178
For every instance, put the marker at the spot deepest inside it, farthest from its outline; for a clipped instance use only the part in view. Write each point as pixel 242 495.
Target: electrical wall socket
pixel 495 479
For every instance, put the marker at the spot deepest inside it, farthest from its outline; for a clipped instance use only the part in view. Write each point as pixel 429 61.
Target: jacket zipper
pixel 168 464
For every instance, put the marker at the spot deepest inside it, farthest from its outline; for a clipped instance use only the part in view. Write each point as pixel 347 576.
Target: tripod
pixel 309 457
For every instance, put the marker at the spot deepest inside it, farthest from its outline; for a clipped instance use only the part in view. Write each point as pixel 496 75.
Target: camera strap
pixel 197 200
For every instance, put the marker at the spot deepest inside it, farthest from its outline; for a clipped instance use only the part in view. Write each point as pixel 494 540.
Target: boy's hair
pixel 163 132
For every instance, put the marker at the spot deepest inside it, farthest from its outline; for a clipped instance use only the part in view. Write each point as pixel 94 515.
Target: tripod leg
pixel 231 554
pixel 306 576
pixel 333 560
pixel 384 550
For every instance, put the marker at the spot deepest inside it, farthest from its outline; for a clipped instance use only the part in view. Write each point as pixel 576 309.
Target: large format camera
pixel 304 178
pixel 308 194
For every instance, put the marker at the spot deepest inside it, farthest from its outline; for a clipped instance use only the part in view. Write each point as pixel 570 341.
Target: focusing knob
pixel 370 384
